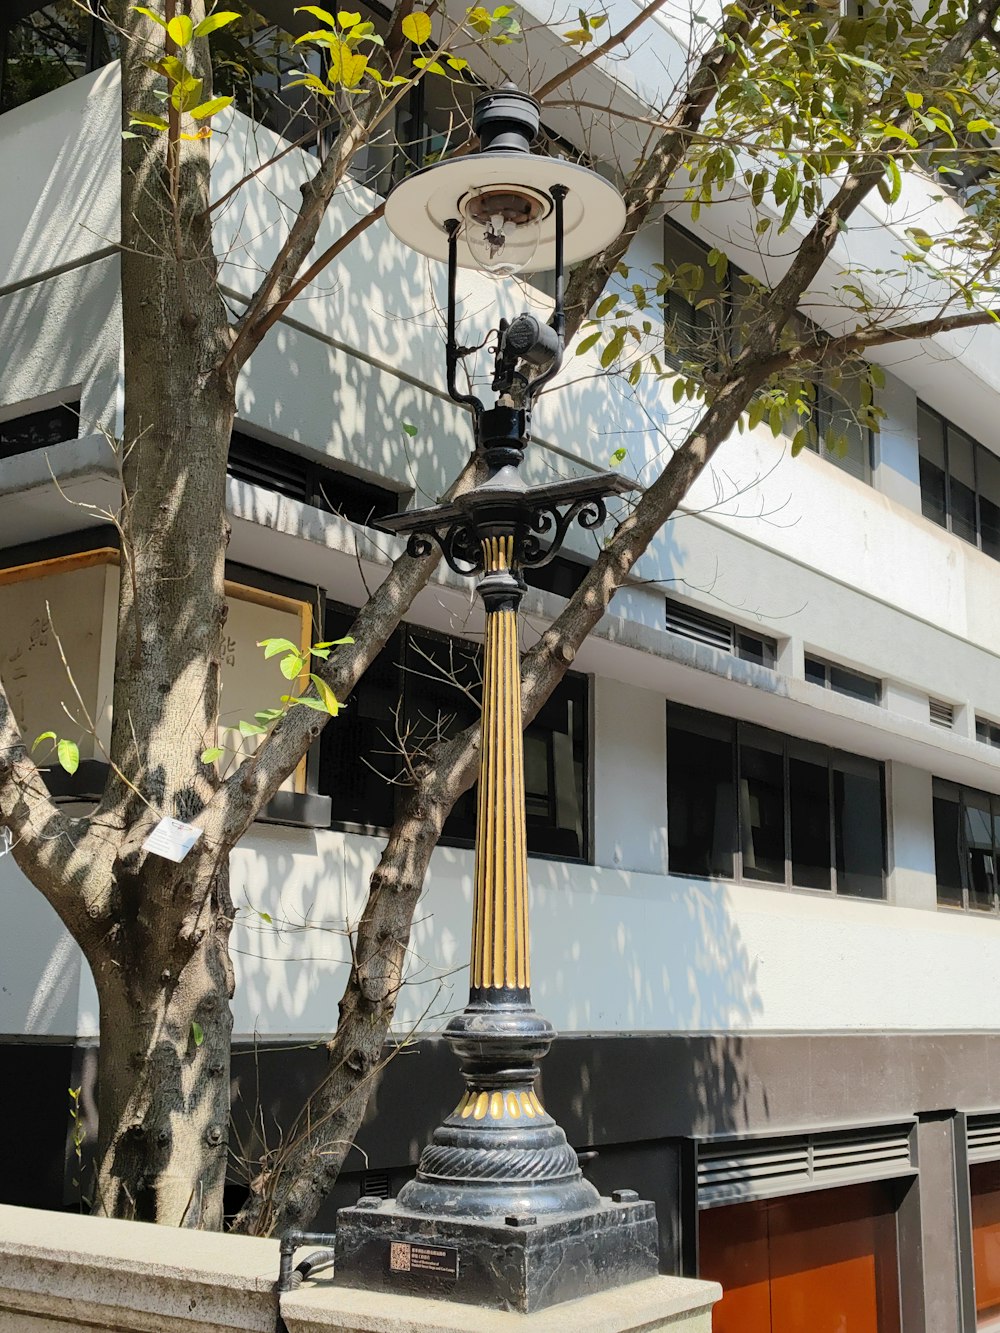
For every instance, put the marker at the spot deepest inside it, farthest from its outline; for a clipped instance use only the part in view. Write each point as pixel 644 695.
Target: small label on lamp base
pixel 439 1260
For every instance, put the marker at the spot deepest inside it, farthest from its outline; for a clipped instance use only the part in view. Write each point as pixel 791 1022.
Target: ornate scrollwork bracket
pixel 457 541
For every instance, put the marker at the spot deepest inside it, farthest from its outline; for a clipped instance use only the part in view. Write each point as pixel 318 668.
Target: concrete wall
pixel 59 1273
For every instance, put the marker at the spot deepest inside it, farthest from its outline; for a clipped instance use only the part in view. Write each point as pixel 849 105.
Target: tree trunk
pixel 163 1068
pixel 162 968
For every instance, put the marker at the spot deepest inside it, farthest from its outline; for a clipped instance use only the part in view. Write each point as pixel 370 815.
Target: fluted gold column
pixel 500 911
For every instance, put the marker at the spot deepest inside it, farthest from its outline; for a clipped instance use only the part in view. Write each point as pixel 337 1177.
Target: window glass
pixel 858 826
pixel 423 687
pixel 845 440
pixel 816 671
pixel 809 812
pixel 988 465
pixel 948 843
pixel 693 332
pixel 51 46
pixel 933 474
pixel 701 805
pixel 962 484
pixel 762 808
pixel 35 430
pixel 855 685
pixel 359 756
pixel 979 850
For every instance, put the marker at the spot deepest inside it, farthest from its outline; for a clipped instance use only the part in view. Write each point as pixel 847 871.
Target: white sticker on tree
pixel 172 838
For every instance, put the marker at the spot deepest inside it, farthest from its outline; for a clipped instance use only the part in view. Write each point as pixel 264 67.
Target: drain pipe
pixel 290 1278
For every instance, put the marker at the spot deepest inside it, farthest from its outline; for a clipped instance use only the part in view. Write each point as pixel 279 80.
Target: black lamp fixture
pixel 499 1213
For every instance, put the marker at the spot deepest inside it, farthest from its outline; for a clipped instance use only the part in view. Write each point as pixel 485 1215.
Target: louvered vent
pixel 984 1138
pixel 375 1185
pixel 942 714
pixel 699 625
pixel 730 1172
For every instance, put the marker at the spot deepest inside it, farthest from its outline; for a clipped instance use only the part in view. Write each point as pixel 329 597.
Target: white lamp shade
pixel 419 206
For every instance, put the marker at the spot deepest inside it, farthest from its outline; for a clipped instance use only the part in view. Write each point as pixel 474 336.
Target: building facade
pixel 763 809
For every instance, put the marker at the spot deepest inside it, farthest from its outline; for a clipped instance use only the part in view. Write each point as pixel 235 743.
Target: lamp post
pixel 499 1213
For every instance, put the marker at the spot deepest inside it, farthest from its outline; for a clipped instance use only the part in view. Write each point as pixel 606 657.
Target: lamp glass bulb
pixel 502 230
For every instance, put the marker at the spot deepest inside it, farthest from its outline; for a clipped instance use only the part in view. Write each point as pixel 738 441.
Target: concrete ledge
pixel 675 1303
pixel 61 1272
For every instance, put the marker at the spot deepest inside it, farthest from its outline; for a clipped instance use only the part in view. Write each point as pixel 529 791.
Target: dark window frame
pixel 63 418
pixel 96 54
pixel 988 732
pixel 309 480
pixel 828 669
pixel 408 668
pixel 955 793
pixel 792 748
pixel 978 450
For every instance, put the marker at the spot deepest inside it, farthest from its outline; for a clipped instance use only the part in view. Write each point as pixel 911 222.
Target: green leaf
pixel 618 457
pixel 457 63
pixel 330 701
pixel 430 66
pixel 347 20
pixel 181 29
pixel 68 753
pixel 268 715
pixel 150 14
pixel 323 15
pixel 587 343
pixel 606 306
pixel 45 736
pixel 291 666
pixel 915 100
pixel 210 107
pixel 678 390
pixel 334 643
pixel 265 916
pixel 197 1033
pixel 152 122
pixel 408 429
pixel 251 729
pixel 980 126
pixel 272 647
pixel 304 699
pixel 416 27
pixel 212 22
pixel 212 754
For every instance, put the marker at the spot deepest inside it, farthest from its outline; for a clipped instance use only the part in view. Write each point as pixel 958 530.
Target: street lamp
pixel 499 1213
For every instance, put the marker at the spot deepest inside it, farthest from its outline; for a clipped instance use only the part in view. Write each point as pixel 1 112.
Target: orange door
pixel 822 1262
pixel 984 1178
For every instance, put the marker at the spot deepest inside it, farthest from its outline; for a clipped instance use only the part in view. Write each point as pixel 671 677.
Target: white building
pixel 764 885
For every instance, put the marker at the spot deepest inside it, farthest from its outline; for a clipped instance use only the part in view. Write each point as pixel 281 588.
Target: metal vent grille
pixel 732 1172
pixel 699 625
pixel 942 714
pixel 375 1185
pixel 984 1138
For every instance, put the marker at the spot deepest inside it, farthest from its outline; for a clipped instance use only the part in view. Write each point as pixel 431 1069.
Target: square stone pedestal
pixel 522 1264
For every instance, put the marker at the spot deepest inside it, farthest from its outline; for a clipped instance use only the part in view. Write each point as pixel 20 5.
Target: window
pixel 43 47
pixel 988 732
pixel 424 685
pixel 840 435
pixel 966 843
pixel 36 430
pixel 561 575
pixel 959 482
pixel 746 803
pixel 843 681
pixel 312 483
pixel 701 627
pixel 696 303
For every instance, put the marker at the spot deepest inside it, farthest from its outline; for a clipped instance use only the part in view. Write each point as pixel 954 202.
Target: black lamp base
pixel 521 1264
